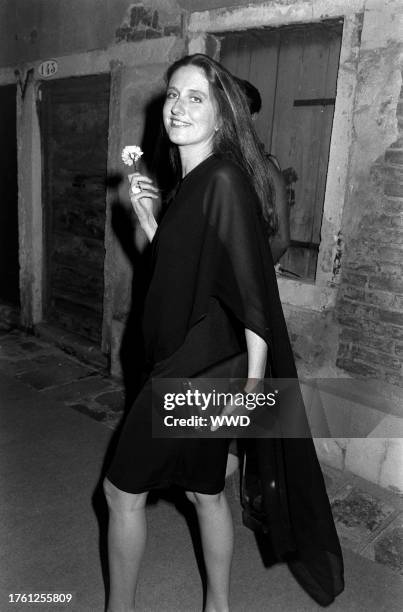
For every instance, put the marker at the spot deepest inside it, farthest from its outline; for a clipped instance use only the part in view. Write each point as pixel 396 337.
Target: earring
pixel 216 129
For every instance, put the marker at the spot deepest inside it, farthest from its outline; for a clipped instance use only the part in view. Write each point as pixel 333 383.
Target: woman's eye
pixel 171 94
pixel 195 99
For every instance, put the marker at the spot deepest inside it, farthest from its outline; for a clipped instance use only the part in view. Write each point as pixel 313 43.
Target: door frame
pixel 205 27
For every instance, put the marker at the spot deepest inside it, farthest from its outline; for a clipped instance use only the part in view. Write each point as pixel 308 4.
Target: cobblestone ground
pixel 369 519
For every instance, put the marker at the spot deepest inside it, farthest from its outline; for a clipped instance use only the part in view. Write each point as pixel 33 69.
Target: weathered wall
pixel 369 309
pixel 35 29
pixel 350 322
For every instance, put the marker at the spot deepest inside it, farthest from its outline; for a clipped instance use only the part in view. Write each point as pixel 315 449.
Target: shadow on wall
pixel 155 163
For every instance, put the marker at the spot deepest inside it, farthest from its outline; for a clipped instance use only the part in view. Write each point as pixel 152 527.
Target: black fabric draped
pixel 210 239
pixel 210 245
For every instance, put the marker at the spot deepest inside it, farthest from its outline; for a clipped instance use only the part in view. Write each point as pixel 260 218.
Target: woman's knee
pixel 120 501
pixel 202 500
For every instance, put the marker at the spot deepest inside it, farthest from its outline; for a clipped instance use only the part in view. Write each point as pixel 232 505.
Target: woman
pixel 206 305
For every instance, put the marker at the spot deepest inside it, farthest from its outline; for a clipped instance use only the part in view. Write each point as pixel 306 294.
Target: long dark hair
pixel 236 138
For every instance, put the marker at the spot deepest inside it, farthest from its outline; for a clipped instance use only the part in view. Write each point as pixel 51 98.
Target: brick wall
pixel 370 308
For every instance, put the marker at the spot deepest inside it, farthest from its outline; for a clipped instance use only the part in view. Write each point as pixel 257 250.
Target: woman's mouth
pixel 177 123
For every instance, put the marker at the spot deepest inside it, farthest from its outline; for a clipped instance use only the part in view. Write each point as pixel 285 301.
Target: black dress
pixel 212 276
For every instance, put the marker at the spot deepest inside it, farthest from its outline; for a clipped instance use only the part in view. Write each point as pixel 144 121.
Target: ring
pixel 136 189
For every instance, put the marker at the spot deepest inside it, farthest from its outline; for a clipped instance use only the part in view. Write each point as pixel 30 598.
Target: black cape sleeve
pixel 231 264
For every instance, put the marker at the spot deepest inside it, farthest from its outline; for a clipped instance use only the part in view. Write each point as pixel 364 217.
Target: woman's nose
pixel 177 107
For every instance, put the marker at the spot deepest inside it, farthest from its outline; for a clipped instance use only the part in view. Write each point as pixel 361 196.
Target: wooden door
pixel 9 266
pixel 295 70
pixel 74 123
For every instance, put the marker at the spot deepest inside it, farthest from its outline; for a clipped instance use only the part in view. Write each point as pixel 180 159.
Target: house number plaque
pixel 48 68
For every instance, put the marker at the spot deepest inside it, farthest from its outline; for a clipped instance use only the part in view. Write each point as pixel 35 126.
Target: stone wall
pixel 369 308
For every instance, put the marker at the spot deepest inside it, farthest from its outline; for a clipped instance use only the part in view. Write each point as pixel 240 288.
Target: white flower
pixel 131 154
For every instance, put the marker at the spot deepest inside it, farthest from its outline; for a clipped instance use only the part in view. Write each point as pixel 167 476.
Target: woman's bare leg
pixel 127 532
pixel 217 537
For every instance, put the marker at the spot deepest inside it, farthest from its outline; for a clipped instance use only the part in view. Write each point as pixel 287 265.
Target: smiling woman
pixel 212 305
pixel 189 116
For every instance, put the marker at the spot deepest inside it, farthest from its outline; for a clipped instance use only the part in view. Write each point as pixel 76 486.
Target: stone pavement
pixel 62 377
pixel 369 519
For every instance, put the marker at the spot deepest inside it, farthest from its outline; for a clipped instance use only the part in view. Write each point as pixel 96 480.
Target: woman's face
pixel 189 112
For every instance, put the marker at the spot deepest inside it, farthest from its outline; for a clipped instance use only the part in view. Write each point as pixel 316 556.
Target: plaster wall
pixel 34 29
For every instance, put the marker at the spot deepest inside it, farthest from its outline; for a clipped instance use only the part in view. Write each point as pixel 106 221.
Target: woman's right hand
pixel 142 192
